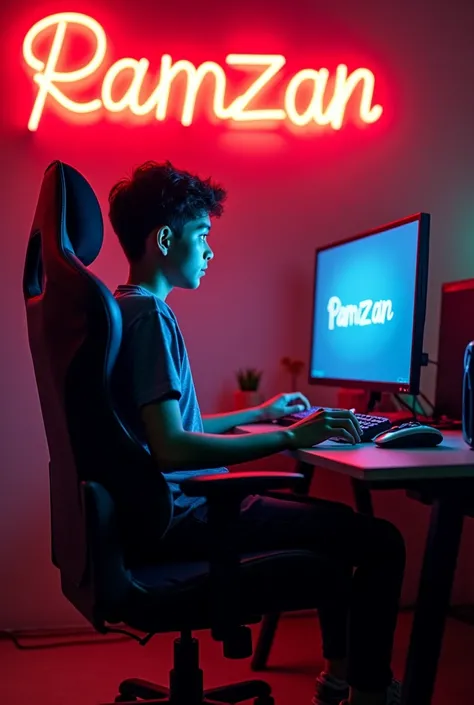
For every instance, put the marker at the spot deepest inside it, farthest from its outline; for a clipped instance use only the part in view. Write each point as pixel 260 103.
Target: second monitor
pixel 369 308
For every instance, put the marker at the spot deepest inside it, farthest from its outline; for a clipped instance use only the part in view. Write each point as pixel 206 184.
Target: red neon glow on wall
pixel 50 82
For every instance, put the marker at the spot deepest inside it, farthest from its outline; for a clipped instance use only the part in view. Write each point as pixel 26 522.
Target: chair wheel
pixel 125 699
pixel 266 700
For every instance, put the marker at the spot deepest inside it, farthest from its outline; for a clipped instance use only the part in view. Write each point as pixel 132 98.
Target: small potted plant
pixel 247 395
pixel 294 367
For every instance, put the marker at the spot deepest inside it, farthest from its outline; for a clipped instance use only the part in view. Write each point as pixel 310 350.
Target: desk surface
pixel 366 461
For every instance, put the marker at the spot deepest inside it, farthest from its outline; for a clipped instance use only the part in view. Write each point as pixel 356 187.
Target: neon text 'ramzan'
pixel 53 84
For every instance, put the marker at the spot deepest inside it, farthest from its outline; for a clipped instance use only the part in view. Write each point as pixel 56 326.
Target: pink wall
pixel 288 192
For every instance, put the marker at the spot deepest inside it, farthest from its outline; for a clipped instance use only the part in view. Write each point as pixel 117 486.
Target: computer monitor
pixel 369 308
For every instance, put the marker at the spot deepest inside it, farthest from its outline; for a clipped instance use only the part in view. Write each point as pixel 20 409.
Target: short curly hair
pixel 159 194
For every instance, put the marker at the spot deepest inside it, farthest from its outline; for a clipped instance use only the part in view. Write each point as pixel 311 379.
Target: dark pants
pixel 359 626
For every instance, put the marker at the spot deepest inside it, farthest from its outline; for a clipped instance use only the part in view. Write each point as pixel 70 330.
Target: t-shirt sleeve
pixel 152 359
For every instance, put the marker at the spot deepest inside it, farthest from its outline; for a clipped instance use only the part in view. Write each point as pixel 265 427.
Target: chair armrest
pixel 224 493
pixel 237 485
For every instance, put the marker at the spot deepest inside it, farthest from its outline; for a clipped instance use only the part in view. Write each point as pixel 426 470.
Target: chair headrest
pixel 82 214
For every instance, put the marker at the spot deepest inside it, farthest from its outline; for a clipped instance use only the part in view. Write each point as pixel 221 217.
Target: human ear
pixel 163 239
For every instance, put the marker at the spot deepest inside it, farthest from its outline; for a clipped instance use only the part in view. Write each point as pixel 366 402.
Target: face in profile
pixel 187 253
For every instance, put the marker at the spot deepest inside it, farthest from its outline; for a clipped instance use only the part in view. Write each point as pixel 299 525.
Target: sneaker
pixel 329 690
pixel 394 694
pixel 333 691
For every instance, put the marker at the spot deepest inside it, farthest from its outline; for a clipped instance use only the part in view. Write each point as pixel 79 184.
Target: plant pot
pixel 244 400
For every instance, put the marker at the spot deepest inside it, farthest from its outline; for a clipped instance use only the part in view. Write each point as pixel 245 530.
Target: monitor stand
pixel 374 398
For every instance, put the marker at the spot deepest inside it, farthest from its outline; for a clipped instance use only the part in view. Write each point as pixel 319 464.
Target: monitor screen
pixel 369 308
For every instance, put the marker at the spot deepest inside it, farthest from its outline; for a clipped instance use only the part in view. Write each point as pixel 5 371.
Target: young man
pixel 162 217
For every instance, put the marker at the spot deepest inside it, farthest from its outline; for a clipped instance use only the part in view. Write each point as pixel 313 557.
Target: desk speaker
pixel 456 330
pixel 468 396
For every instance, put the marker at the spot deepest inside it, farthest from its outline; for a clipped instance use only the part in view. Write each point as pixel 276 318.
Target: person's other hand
pixel 282 405
pixel 324 424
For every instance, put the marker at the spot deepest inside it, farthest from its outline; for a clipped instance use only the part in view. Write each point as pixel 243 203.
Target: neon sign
pixel 50 82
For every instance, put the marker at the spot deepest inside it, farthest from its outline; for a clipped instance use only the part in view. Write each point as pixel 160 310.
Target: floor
pixel 88 674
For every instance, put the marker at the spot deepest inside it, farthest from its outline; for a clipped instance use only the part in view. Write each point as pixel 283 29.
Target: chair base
pixel 136 690
pixel 186 684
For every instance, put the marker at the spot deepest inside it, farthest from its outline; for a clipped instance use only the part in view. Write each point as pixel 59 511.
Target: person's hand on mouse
pixel 324 424
pixel 282 405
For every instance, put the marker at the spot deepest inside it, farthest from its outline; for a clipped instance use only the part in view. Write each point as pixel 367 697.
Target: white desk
pixel 441 476
pixel 451 459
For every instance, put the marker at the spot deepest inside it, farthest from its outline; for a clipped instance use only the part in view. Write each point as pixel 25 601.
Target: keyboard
pixel 371 425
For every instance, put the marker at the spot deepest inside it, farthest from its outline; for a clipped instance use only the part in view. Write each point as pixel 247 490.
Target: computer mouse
pixel 409 435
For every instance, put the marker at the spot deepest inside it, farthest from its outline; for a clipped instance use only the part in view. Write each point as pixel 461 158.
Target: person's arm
pixel 275 408
pixel 220 423
pixel 175 449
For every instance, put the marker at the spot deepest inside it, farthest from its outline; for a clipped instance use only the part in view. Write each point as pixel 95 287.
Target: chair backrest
pixel 74 330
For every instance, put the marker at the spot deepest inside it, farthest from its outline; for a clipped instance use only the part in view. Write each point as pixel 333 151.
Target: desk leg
pixel 265 641
pixel 307 470
pixel 270 621
pixel 362 497
pixel 434 592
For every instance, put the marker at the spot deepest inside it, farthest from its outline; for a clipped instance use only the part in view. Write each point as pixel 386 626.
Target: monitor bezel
pixel 422 265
